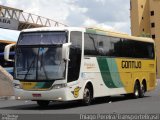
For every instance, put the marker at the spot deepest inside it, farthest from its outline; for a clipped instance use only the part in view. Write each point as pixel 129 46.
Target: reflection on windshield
pixel 42 38
pixel 43 63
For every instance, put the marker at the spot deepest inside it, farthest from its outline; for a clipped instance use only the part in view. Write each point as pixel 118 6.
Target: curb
pixel 7 98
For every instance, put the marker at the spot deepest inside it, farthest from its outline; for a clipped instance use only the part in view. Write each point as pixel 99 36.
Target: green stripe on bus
pixel 114 72
pixel 105 72
pixel 92 31
pixel 44 84
pixel 48 84
pixel 39 85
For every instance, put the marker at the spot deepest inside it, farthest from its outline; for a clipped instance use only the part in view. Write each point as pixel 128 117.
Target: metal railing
pixel 39 20
pixel 28 18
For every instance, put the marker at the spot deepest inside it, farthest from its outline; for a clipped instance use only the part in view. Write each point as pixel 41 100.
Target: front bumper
pixel 55 94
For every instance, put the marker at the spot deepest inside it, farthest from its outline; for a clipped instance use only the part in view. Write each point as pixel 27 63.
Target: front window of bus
pixel 39 56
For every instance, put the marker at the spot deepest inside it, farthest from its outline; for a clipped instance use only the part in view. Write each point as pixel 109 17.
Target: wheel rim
pixel 136 92
pixel 87 96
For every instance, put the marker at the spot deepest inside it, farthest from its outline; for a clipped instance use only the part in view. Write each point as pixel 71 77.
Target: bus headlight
pixel 16 85
pixel 58 86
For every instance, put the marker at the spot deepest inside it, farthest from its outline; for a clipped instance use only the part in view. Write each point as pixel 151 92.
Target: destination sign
pixel 8 23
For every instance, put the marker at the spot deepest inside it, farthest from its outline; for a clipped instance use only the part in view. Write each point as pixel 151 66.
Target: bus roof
pixel 54 29
pixel 91 30
pixel 117 34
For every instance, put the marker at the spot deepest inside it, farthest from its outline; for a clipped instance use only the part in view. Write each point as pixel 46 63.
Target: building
pixel 145 21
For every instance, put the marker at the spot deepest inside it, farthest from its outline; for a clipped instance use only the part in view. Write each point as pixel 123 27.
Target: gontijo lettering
pixel 131 64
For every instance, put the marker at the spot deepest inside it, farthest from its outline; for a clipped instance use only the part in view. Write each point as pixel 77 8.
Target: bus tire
pixel 43 103
pixel 142 91
pixel 136 93
pixel 87 96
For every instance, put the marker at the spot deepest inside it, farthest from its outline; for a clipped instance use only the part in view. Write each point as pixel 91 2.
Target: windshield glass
pixel 42 38
pixel 39 63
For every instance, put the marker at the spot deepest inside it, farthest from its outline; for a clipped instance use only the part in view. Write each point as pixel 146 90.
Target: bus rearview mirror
pixel 7 52
pixel 65 51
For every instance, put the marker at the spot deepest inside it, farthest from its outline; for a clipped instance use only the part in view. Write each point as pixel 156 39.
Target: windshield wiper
pixel 30 67
pixel 42 65
pixel 37 65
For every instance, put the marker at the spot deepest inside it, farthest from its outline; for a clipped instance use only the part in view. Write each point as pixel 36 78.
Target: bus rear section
pixel 119 64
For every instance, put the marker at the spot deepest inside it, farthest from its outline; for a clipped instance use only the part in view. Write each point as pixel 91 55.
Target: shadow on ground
pixel 69 105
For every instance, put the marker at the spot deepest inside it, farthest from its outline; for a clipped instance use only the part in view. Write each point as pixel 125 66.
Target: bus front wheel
pixel 43 103
pixel 87 96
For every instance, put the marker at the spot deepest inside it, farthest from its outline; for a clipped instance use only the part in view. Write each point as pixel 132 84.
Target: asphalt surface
pixel 116 104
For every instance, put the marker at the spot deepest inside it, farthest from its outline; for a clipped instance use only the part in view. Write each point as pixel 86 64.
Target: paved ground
pixel 117 104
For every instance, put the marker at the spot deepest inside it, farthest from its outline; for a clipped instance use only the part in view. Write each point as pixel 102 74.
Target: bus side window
pixel 75 56
pixel 150 50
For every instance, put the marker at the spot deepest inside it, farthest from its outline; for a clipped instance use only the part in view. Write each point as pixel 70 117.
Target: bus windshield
pixel 42 63
pixel 39 56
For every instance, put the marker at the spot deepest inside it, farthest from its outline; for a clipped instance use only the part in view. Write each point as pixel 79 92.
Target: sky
pixel 108 14
pixel 10 35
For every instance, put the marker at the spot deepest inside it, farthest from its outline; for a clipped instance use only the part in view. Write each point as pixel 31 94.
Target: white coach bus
pixel 72 63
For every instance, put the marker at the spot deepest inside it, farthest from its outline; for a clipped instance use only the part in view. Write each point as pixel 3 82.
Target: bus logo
pixel 76 92
pixel 89 65
pixel 131 64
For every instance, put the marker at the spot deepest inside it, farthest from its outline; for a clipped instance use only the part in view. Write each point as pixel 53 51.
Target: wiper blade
pixel 29 68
